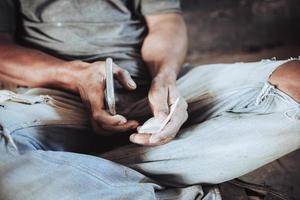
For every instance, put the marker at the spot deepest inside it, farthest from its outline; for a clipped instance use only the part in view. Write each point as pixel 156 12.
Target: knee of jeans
pixel 199 170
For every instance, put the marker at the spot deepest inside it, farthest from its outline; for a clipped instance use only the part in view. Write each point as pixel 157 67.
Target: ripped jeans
pixel 237 123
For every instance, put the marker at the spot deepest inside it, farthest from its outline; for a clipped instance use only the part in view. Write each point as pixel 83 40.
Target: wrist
pixel 168 77
pixel 165 71
pixel 68 75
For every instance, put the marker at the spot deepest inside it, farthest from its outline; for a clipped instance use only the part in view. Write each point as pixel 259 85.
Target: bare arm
pixel 164 51
pixel 33 68
pixel 29 67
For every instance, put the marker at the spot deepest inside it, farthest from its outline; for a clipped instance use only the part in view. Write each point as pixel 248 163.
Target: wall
pixel 241 25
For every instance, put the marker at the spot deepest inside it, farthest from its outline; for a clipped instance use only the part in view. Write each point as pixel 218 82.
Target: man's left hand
pixel 162 95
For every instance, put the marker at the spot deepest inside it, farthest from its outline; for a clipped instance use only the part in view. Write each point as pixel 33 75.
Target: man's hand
pixel 90 84
pixel 161 96
pixel 33 68
pixel 164 51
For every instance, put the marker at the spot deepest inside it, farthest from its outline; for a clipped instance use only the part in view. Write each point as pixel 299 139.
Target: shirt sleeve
pixel 152 7
pixel 7 16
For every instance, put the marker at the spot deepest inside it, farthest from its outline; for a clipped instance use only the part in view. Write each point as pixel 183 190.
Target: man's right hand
pixel 89 82
pixel 33 68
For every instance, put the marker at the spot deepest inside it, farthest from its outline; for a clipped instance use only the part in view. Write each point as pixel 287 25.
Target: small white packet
pixel 154 125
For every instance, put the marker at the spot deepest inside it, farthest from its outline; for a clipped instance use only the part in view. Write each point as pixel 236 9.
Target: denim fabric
pixel 237 123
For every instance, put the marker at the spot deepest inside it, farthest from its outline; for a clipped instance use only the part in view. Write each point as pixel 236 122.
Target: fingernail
pixel 131 84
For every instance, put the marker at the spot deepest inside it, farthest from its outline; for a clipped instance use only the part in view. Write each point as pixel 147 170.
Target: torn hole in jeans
pixel 6 95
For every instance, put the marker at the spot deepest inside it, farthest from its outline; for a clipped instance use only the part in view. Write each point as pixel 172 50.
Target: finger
pixel 138 128
pixel 95 99
pixel 104 118
pixel 160 140
pixel 124 78
pixel 173 95
pixel 165 136
pixel 145 139
pixel 168 133
pixel 100 115
pixel 171 129
pixel 131 124
pixel 158 99
pixel 140 138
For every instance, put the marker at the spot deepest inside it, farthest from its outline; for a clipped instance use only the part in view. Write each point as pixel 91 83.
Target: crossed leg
pixel 240 122
pixel 246 122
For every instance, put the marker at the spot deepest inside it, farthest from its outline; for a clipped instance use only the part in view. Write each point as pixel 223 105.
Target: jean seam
pixel 294 115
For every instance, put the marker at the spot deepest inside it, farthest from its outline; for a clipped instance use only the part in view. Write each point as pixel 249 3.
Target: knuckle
pixel 167 139
pixel 119 71
pixel 164 138
pixel 96 116
pixel 101 80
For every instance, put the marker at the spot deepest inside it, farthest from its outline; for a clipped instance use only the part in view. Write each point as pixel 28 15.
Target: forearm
pixel 164 49
pixel 29 67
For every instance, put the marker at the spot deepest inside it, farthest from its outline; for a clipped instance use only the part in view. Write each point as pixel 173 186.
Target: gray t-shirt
pixel 88 30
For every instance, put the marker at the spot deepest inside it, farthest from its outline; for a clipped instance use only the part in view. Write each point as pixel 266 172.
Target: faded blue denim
pixel 237 122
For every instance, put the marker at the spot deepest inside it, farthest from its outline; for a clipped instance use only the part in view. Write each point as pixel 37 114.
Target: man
pixel 241 116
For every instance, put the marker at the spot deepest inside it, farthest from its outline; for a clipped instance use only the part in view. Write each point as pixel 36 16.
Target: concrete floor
pixel 282 174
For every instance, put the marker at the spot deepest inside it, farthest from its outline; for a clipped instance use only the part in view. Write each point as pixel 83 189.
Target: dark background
pixel 242 28
pixel 248 30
